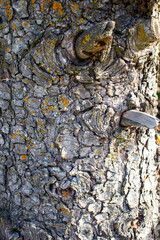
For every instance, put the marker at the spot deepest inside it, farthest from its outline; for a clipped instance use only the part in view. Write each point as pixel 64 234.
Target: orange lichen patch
pixel 98 45
pixel 66 193
pixel 8 49
pixel 64 101
pixel 25 24
pixel 41 131
pixel 8 10
pixel 42 8
pixel 13 136
pixel 44 111
pixel 26 99
pixel 58 7
pixel 75 7
pixel 64 210
pixel 20 137
pixel 50 108
pixel 27 138
pixel 101 119
pixel 24 156
pixel 81 20
pixel 31 112
pixel 40 123
pixel 52 144
pixel 14 26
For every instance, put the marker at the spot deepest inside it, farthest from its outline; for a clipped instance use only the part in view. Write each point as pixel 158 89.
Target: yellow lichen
pixel 141 33
pixel 87 37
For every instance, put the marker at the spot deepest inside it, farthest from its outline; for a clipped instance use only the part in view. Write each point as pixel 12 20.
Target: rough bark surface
pixel 68 170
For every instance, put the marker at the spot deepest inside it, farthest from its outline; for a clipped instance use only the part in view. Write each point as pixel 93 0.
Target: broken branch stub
pixel 136 118
pixel 94 39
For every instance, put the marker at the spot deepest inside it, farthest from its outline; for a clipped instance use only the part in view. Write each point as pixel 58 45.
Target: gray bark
pixel 69 70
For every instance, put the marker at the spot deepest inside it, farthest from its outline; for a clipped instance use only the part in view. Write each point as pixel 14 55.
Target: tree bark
pixel 70 168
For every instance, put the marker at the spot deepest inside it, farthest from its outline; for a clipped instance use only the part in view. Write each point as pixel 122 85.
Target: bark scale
pixel 68 170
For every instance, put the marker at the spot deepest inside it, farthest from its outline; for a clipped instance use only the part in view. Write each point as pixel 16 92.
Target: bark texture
pixel 68 170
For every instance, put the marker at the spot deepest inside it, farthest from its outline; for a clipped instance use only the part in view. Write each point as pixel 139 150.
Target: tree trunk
pixel 74 165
